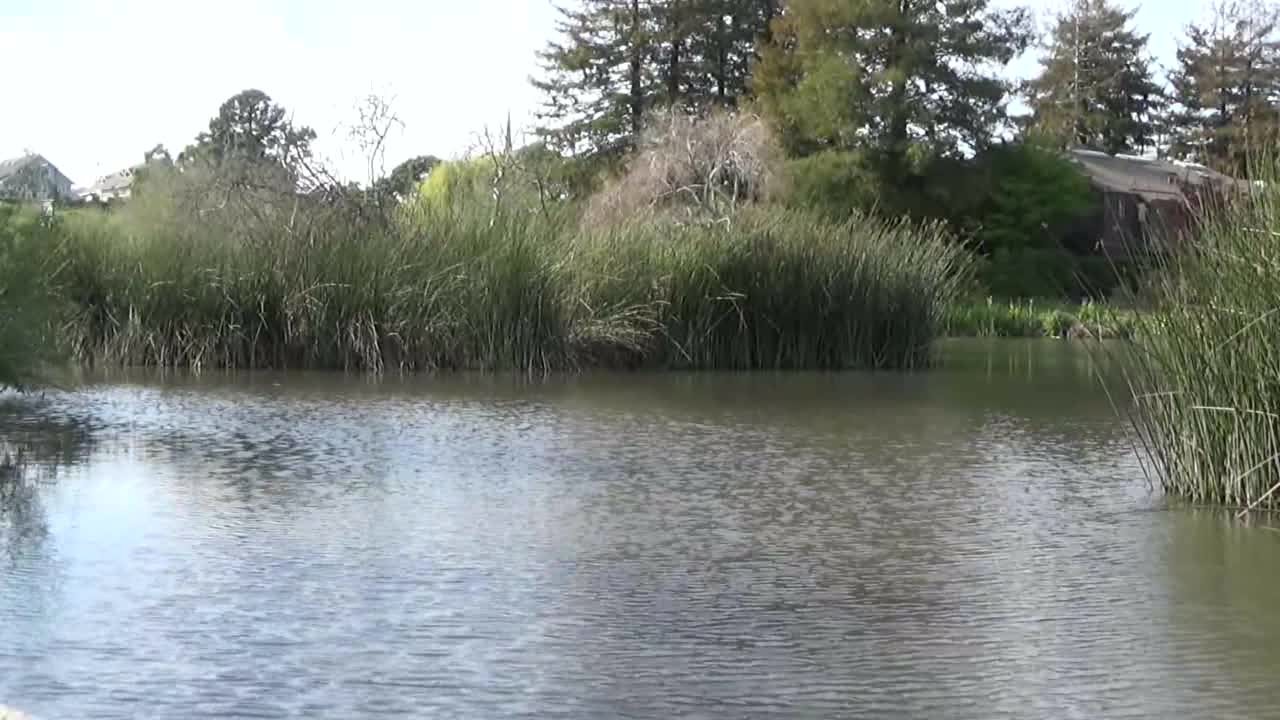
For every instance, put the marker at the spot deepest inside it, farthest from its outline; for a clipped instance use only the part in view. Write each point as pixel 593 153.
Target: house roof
pixel 13 165
pixel 1149 178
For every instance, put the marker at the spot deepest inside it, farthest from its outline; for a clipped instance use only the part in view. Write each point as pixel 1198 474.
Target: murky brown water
pixel 974 542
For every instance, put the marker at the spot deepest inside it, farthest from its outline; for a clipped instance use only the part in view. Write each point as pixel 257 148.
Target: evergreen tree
pixel 615 60
pixel 724 46
pixel 600 76
pixel 1226 87
pixel 1096 87
pixel 901 80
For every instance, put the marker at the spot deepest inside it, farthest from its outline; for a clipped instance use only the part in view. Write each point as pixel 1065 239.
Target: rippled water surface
pixel 972 542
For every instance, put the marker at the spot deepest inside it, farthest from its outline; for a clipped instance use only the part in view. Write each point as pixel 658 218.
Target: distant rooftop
pixel 1149 177
pixel 13 165
pixel 113 183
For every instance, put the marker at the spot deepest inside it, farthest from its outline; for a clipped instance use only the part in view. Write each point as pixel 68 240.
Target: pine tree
pixel 1096 87
pixel 901 80
pixel 615 60
pixel 724 46
pixel 1226 87
pixel 600 77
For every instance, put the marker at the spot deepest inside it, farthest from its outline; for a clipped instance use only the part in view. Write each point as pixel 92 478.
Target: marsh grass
pixel 1038 318
pixel 28 304
pixel 478 285
pixel 1205 371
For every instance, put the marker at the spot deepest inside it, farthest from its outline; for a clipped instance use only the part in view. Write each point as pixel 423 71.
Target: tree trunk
pixel 898 137
pixel 637 84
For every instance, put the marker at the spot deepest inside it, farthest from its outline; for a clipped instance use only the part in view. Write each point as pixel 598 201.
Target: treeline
pixel 907 81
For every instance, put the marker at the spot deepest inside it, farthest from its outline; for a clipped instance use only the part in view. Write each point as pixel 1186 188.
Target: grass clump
pixel 1206 371
pixel 1032 318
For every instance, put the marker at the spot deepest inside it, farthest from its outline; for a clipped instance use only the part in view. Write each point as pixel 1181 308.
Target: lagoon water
pixel 976 541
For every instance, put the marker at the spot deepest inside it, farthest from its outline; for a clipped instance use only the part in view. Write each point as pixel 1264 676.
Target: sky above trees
pixel 104 82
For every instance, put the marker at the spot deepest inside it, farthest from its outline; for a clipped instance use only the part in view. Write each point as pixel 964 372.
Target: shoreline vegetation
pixel 1032 318
pixel 481 288
pixel 1205 381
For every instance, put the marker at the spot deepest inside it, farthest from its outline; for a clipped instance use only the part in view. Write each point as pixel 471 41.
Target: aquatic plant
pixel 1205 375
pixel 486 285
pixel 1031 318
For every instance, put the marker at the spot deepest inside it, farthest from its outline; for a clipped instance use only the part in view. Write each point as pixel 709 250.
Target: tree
pixel 404 179
pixel 599 77
pixel 1226 86
pixel 899 81
pixel 723 44
pixel 156 166
pixel 250 129
pixel 616 60
pixel 1096 88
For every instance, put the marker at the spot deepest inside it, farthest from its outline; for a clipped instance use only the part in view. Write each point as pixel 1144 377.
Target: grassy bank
pixel 28 304
pixel 1037 318
pixel 478 286
pixel 1206 374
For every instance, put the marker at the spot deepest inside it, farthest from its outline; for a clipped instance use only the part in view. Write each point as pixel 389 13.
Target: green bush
pixel 1033 195
pixel 836 184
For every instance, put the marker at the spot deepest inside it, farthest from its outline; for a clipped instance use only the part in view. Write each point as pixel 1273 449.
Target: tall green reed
pixel 28 304
pixel 1205 369
pixel 476 285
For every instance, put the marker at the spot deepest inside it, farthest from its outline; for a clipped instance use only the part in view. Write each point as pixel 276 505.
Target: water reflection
pixel 36 444
pixel 972 542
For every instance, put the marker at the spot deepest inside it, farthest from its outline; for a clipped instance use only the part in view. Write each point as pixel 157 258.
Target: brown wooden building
pixel 1147 203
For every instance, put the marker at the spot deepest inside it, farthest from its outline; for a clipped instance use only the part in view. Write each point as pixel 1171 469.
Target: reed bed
pixel 28 304
pixel 482 286
pixel 1044 318
pixel 1205 369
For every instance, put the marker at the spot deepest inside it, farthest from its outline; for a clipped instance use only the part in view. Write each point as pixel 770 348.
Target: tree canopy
pixel 1226 86
pixel 900 79
pixel 1096 87
pixel 613 61
pixel 251 129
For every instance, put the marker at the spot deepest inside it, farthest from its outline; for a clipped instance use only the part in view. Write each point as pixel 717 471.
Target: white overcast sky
pixel 92 84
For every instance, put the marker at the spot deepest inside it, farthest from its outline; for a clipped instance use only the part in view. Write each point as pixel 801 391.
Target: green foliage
pixel 251 141
pixel 1096 87
pixel 887 78
pixel 404 179
pixel 836 183
pixel 1031 198
pixel 28 305
pixel 1033 194
pixel 614 61
pixel 1225 87
pixel 1038 318
pixel 251 126
pixel 457 181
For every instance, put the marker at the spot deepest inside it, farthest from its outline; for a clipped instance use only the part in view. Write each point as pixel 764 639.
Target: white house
pixel 116 186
